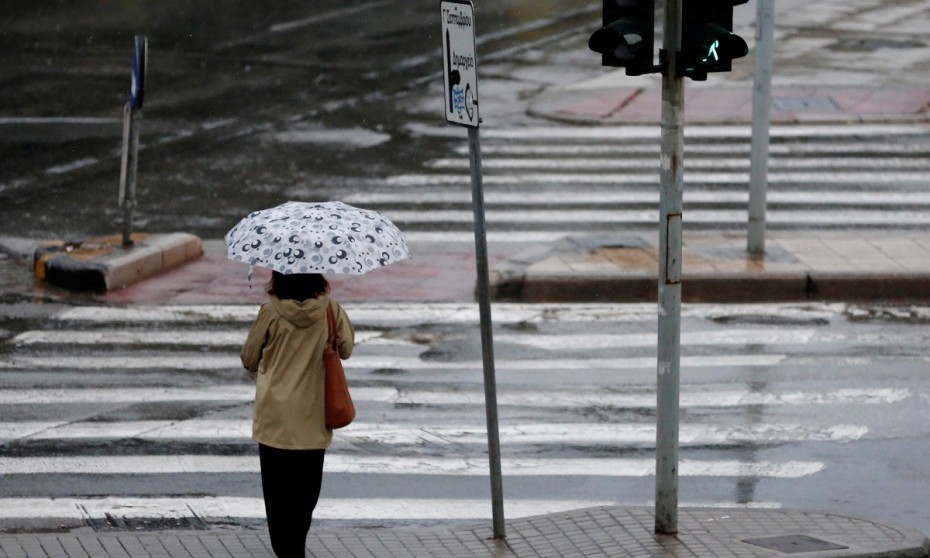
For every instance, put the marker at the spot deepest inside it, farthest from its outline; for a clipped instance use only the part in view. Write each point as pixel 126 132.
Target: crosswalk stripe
pixel 800 148
pixel 234 339
pixel 394 314
pixel 348 509
pixel 701 338
pixel 577 434
pixel 593 197
pixel 221 362
pixel 113 337
pixel 393 465
pixel 213 338
pixel 714 132
pixel 493 237
pixel 593 341
pixel 550 217
pixel 652 177
pixel 776 164
pixel 579 398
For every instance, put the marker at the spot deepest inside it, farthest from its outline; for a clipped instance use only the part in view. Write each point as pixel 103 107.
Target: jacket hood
pixel 301 314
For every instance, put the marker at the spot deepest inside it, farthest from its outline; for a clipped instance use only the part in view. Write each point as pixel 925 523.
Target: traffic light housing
pixel 627 36
pixel 708 42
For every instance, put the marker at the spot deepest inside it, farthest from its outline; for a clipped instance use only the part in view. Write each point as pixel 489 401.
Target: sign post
pixel 460 80
pixel 132 116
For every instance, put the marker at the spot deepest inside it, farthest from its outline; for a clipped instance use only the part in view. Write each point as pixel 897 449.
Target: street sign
pixel 460 71
pixel 139 59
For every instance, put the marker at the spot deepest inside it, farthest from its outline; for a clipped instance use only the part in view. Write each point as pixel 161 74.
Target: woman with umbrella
pixel 285 351
pixel 284 348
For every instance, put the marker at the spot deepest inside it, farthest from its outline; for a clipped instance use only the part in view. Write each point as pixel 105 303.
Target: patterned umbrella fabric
pixel 327 237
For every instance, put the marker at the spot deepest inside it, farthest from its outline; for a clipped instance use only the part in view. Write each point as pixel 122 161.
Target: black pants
pixel 291 482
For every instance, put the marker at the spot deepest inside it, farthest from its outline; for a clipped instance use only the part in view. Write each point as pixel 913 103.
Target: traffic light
pixel 708 43
pixel 626 38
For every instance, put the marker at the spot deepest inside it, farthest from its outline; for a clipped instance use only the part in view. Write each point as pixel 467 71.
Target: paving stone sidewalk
pixel 607 531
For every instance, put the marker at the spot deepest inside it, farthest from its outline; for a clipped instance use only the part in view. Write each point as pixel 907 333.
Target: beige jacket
pixel 285 348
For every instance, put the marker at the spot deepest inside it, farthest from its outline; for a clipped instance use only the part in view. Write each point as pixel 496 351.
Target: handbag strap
pixel 333 338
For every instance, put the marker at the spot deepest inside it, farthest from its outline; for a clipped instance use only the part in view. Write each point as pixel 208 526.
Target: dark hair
pixel 297 286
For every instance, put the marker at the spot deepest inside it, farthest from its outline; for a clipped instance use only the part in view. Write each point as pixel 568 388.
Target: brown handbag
pixel 340 411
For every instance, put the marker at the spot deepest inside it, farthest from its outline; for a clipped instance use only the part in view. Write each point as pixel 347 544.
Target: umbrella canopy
pixel 328 237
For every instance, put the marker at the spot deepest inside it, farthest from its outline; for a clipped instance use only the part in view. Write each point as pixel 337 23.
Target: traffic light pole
pixel 706 44
pixel 761 113
pixel 669 280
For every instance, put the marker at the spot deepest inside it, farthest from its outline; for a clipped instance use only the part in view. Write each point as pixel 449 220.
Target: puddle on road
pixel 351 137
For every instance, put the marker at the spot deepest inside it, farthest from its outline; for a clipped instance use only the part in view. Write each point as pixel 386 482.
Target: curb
pixel 624 268
pixel 102 264
pixel 736 288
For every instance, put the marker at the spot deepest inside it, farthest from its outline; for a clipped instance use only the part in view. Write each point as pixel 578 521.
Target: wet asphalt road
pixel 247 105
pixel 809 406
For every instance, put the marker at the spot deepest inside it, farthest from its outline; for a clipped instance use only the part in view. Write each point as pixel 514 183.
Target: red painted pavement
pixel 213 279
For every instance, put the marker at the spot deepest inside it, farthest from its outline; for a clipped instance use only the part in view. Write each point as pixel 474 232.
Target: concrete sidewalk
pixel 612 532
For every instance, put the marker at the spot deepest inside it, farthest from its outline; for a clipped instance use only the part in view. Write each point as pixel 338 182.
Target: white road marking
pixel 580 398
pixel 547 342
pixel 602 434
pixel 651 216
pixel 390 465
pixel 715 132
pixel 112 337
pixel 915 145
pixel 380 314
pixel 646 176
pixel 776 164
pixel 594 341
pixel 57 120
pixel 494 237
pixel 442 434
pixel 321 17
pixel 196 362
pixel 628 196
pixel 73 165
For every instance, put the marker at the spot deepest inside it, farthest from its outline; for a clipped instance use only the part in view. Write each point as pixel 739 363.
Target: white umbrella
pixel 327 237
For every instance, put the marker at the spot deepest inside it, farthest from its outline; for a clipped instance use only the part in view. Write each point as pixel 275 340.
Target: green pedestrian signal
pixel 708 42
pixel 627 36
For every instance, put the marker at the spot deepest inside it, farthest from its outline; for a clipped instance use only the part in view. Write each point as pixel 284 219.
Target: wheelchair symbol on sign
pixel 463 101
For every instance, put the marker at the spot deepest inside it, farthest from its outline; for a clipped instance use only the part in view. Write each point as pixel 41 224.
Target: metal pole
pixel 487 340
pixel 128 169
pixel 669 280
pixel 761 112
pixel 132 115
